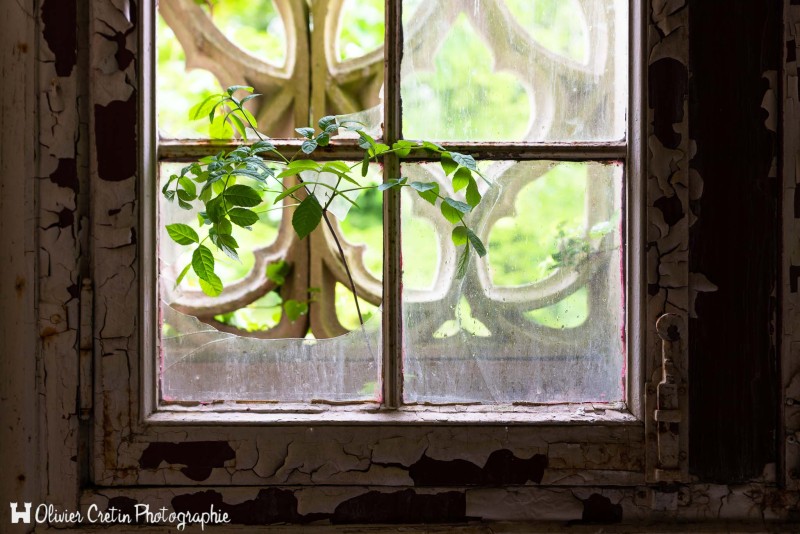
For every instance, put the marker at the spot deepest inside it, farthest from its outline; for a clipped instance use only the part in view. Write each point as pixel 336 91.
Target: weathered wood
pixel 734 241
pixel 22 475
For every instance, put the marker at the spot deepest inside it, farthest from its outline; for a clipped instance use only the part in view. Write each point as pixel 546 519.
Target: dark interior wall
pixel 732 370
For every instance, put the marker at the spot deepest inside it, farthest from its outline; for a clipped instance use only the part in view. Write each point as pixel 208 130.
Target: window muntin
pixel 535 129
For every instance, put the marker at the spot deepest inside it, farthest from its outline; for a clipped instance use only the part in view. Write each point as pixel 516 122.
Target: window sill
pixel 369 414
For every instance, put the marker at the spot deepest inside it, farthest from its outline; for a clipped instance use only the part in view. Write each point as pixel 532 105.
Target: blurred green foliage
pixel 436 107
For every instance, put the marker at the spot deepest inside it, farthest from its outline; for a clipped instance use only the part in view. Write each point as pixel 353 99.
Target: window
pixel 253 436
pixel 536 91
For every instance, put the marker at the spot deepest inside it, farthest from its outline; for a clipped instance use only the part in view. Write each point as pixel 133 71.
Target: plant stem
pixel 330 227
pixel 346 267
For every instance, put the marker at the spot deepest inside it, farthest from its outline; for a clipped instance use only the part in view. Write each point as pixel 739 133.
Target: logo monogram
pixel 17 516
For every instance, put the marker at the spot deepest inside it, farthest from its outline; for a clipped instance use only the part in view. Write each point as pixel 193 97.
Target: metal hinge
pixel 86 349
pixel 666 407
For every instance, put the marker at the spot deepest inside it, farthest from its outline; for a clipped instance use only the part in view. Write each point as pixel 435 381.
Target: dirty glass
pixel 514 70
pixel 246 344
pixel 308 61
pixel 537 320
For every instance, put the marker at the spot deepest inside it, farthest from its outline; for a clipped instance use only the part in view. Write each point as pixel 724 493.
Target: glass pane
pixel 286 327
pixel 361 29
pixel 205 46
pixel 515 70
pixel 539 319
pixel 353 76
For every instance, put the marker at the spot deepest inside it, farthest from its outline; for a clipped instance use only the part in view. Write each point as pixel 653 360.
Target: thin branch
pixel 346 267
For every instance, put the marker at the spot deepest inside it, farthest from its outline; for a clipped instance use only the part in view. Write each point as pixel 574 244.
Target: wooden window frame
pixel 129 420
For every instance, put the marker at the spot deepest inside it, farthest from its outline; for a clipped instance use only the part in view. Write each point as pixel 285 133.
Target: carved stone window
pixel 537 91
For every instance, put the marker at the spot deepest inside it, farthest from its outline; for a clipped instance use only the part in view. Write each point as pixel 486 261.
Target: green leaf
pixel 288 191
pixel 326 121
pixel 429 194
pixel 298 166
pixel 308 146
pixel 458 205
pixel 202 109
pixel 365 166
pixel 243 217
pixel 463 261
pixel 306 132
pixel 403 147
pixel 250 97
pixel 237 124
pixel 459 235
pixel 450 213
pixel 223 227
pixel 307 216
pixel 233 88
pixel 323 139
pixel 465 160
pixel 261 146
pixel 432 146
pixel 182 234
pixel 476 242
pixel 247 116
pixel 388 184
pixel 220 129
pixel 184 197
pixel 183 274
pixel 294 309
pixel 228 245
pixel 365 141
pixel 336 166
pixel 378 149
pixel 242 195
pixel 214 209
pixel 203 263
pixel 211 287
pixel 448 165
pixel 277 271
pixel 188 186
pixel 473 195
pixel 461 178
pixel 424 186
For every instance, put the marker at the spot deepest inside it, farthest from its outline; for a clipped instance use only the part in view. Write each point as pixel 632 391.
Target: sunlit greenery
pixel 553 24
pixel 520 246
pixel 497 107
pixel 362 28
pixel 464 99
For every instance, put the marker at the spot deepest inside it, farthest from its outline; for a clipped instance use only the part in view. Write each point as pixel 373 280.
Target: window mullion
pixel 392 271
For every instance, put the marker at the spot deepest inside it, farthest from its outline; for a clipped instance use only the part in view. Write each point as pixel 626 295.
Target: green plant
pixel 209 187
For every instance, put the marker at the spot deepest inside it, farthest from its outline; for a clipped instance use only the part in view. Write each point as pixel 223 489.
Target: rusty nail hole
pixel 791 439
pixel 790 402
